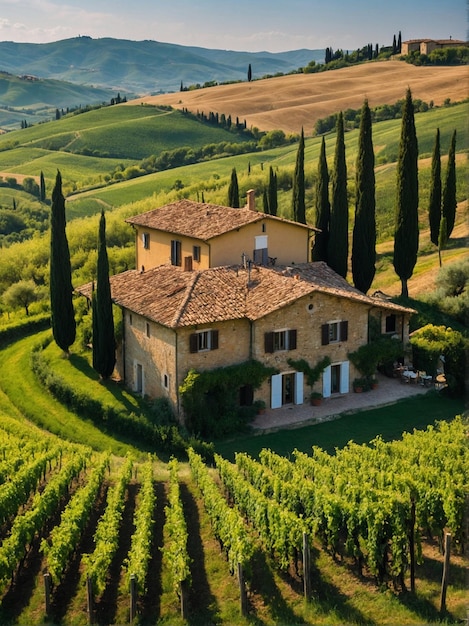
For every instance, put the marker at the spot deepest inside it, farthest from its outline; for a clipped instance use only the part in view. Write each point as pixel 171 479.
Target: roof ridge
pixel 190 288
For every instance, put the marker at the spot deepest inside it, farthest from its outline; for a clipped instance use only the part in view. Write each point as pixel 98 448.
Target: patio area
pixel 389 390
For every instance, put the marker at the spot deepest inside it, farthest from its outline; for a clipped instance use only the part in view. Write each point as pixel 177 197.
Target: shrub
pixel 211 399
pixel 430 343
pixel 158 436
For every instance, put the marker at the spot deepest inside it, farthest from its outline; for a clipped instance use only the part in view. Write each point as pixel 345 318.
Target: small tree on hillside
pixel 272 192
pixel 298 202
pixel 364 229
pixel 323 207
pixel 233 190
pixel 337 247
pixel 434 205
pixel 104 343
pixel 61 290
pixel 21 294
pixel 249 73
pixel 406 232
pixel 42 188
pixel 449 191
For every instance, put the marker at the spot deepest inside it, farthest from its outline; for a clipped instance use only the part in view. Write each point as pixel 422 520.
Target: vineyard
pixel 92 538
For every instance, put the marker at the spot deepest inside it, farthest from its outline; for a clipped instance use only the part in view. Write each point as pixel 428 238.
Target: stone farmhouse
pixel 425 46
pixel 217 286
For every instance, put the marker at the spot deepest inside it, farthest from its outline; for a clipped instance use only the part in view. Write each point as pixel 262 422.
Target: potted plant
pixel 260 406
pixel 359 385
pixel 316 398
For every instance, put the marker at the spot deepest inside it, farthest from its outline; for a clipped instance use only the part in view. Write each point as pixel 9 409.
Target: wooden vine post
pixel 47 591
pixel 412 546
pixel 133 597
pixel 242 591
pixel 89 597
pixel 444 582
pixel 306 566
pixel 184 595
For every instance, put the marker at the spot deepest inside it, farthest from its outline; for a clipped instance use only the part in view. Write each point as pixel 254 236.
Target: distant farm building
pixel 425 46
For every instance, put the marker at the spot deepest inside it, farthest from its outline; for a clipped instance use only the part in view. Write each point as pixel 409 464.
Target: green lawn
pixel 389 421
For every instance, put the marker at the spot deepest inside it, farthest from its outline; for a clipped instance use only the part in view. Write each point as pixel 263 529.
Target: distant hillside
pixel 142 66
pixel 299 100
pixel 25 98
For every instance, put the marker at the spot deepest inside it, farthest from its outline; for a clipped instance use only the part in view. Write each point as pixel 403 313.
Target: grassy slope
pixel 113 137
pixel 293 102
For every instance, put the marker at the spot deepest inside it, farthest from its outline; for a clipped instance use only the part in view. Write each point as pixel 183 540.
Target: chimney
pixel 251 199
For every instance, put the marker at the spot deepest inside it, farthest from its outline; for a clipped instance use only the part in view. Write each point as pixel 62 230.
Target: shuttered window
pixel 334 332
pixel 278 341
pixel 203 341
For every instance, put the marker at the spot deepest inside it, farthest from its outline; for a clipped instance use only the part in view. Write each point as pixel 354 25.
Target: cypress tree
pixel 434 204
pixel 449 191
pixel 61 290
pixel 364 228
pixel 337 247
pixel 104 343
pixel 298 204
pixel 323 208
pixel 42 188
pixel 442 237
pixel 233 190
pixel 272 192
pixel 249 73
pixel 265 202
pixel 406 233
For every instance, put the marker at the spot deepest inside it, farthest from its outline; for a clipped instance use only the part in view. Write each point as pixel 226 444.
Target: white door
pixel 276 391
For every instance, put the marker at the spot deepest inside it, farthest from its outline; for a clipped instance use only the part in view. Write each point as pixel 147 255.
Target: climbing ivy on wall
pixel 211 399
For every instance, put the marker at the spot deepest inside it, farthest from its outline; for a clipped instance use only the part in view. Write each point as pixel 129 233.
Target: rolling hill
pixel 142 66
pixel 298 100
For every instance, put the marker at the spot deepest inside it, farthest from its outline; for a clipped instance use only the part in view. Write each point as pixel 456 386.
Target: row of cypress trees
pixel 61 290
pixel 331 244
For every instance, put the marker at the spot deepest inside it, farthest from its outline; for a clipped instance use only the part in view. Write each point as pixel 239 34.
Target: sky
pixel 248 25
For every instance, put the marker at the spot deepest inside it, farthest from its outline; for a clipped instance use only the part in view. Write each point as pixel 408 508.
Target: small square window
pixel 391 323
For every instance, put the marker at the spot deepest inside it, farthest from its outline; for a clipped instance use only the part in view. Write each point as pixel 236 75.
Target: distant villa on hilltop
pixel 425 46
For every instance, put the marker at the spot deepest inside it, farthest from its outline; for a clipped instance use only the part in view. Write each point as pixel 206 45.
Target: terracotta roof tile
pixel 175 298
pixel 201 220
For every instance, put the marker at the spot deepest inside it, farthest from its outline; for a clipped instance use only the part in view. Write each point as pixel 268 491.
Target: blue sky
pixel 251 25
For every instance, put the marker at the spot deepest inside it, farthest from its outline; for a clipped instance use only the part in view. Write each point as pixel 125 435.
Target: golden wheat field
pixel 298 100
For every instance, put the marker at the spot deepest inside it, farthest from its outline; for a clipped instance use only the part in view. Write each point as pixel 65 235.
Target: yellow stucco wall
pixel 287 243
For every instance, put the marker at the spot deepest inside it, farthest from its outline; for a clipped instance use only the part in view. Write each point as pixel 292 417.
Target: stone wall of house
pixel 149 353
pixel 233 347
pixel 307 317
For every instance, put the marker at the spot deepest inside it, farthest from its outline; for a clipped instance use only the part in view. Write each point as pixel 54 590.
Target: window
pixel 147 329
pixel 130 319
pixel 390 323
pixel 203 341
pixel 166 381
pixel 146 240
pixel 260 253
pixel 196 253
pixel 175 252
pixel 333 332
pixel 280 340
